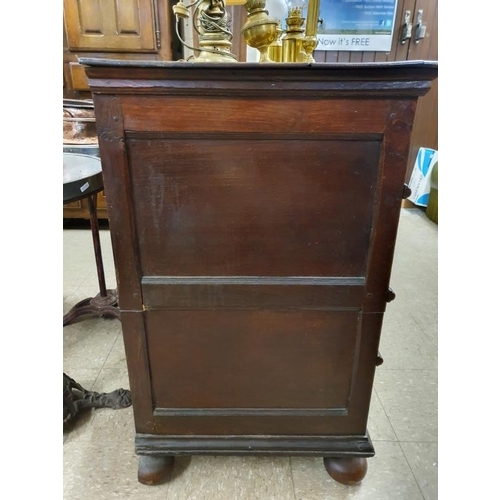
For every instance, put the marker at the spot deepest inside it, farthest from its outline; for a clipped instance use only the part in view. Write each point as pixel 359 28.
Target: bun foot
pixel 348 471
pixel 154 470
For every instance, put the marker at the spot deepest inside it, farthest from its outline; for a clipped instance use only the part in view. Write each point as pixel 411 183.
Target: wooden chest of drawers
pixel 253 211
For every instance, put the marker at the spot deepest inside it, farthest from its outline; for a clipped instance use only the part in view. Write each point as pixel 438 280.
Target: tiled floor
pixel 99 458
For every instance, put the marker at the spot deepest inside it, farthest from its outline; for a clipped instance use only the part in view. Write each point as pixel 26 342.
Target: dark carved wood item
pixel 76 399
pixel 253 212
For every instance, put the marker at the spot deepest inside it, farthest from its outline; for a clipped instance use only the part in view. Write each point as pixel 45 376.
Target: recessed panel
pixel 258 207
pixel 236 359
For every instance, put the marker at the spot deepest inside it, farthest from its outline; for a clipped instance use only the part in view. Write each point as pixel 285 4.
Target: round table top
pixel 82 176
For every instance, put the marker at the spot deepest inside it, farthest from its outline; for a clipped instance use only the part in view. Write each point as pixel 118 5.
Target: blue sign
pixel 356 25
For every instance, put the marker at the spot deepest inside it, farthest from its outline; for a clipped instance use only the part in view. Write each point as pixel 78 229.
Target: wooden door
pixel 425 131
pixel 106 25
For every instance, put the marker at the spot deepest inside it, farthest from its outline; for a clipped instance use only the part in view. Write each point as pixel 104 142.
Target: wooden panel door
pixel 425 131
pixel 106 25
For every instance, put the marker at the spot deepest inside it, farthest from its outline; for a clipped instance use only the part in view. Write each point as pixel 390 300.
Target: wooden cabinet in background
pixel 120 29
pixel 79 209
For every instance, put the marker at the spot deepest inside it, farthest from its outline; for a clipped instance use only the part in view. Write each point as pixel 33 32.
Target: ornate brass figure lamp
pixel 212 26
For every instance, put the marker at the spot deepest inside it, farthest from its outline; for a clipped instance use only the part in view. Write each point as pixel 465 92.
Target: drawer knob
pixel 380 359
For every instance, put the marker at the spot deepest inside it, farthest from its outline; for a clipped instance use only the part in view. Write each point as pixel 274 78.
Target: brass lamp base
pixel 260 30
pixel 214 48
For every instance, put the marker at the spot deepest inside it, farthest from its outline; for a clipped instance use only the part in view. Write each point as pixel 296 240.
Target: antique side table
pixel 82 178
pixel 253 212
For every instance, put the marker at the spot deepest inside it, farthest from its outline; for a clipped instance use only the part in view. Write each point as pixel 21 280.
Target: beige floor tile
pixel 404 345
pixel 90 283
pixel 109 424
pixel 414 276
pixel 388 478
pixel 410 399
pixel 418 301
pixel 379 427
pixel 71 282
pixel 231 478
pixel 423 460
pixel 78 250
pixel 88 342
pixel 116 358
pixel 104 471
pixel 415 265
pixel 112 377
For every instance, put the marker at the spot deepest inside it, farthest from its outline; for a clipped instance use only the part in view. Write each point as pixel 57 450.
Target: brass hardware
pixel 407 26
pixel 260 31
pixel 420 28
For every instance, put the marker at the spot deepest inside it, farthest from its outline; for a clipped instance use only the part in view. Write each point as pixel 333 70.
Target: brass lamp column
pixel 274 50
pixel 310 40
pixel 292 41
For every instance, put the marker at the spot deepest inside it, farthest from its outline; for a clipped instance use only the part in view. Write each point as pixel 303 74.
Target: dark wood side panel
pixel 327 377
pixel 226 206
pixel 390 184
pixel 251 359
pixel 136 351
pixel 115 171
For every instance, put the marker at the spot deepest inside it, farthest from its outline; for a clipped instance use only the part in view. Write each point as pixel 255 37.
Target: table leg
pixel 106 302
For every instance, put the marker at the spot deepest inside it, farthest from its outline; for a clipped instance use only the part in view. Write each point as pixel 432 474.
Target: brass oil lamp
pixel 260 30
pixel 293 50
